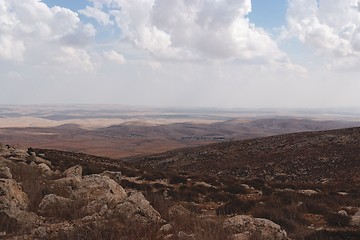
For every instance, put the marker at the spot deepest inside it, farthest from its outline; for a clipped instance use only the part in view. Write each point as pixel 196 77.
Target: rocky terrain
pixel 294 186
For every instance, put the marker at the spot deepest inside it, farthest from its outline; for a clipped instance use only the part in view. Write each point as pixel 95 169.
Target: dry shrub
pixel 235 206
pixel 337 220
pixel 144 187
pixel 177 179
pixel 111 230
pixel 334 235
pixel 32 182
pixel 236 189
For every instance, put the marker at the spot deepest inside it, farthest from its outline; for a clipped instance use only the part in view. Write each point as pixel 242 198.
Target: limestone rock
pixel 15 219
pixel 178 210
pixel 52 204
pixel 165 229
pixel 355 220
pixel 11 196
pixel 19 153
pixel 5 172
pixel 248 225
pixel 75 171
pixel 114 175
pixel 343 213
pixel 137 208
pixel 4 150
pixel 45 169
pixel 38 160
pixel 97 191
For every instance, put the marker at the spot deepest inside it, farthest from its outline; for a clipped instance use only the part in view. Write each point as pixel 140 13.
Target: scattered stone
pixel 37 160
pixel 178 210
pixel 5 172
pixel 165 229
pixel 308 192
pixel 248 225
pixel 169 237
pixel 185 236
pixel 75 171
pixel 342 213
pixel 355 220
pixel 45 169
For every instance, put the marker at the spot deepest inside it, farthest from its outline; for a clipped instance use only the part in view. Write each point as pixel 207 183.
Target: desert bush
pixel 337 220
pixel 111 230
pixel 177 179
pixel 334 235
pixel 288 217
pixel 236 189
pixel 138 186
pixel 184 195
pixel 310 206
pixel 219 196
pixel 153 176
pixel 235 206
pixel 159 186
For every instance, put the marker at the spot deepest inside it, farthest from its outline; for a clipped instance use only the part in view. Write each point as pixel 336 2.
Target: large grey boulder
pixel 137 208
pixel 96 191
pixel 12 220
pixel 75 171
pixel 251 227
pixel 11 196
pixel 52 205
pixel 45 169
pixel 5 172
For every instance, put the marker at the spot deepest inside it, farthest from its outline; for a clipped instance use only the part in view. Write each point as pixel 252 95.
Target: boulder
pixel 5 172
pixel 21 153
pixel 38 160
pixel 52 205
pixel 75 171
pixel 96 191
pixel 137 208
pixel 166 229
pixel 178 210
pixel 355 220
pixel 4 150
pixel 12 220
pixel 114 175
pixel 262 228
pixel 45 169
pixel 343 213
pixel 11 196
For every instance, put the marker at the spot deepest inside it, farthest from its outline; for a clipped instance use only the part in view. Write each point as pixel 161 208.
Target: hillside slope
pixel 327 156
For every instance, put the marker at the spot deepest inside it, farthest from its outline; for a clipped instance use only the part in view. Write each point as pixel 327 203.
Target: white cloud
pixel 331 27
pixel 32 32
pixel 115 57
pixel 100 16
pixel 192 29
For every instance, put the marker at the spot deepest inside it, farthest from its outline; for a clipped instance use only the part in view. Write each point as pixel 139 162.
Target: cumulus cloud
pixel 115 57
pixel 32 27
pixel 192 29
pixel 331 27
pixel 100 16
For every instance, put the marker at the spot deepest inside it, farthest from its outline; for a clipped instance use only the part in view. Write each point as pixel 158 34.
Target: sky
pixel 181 53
